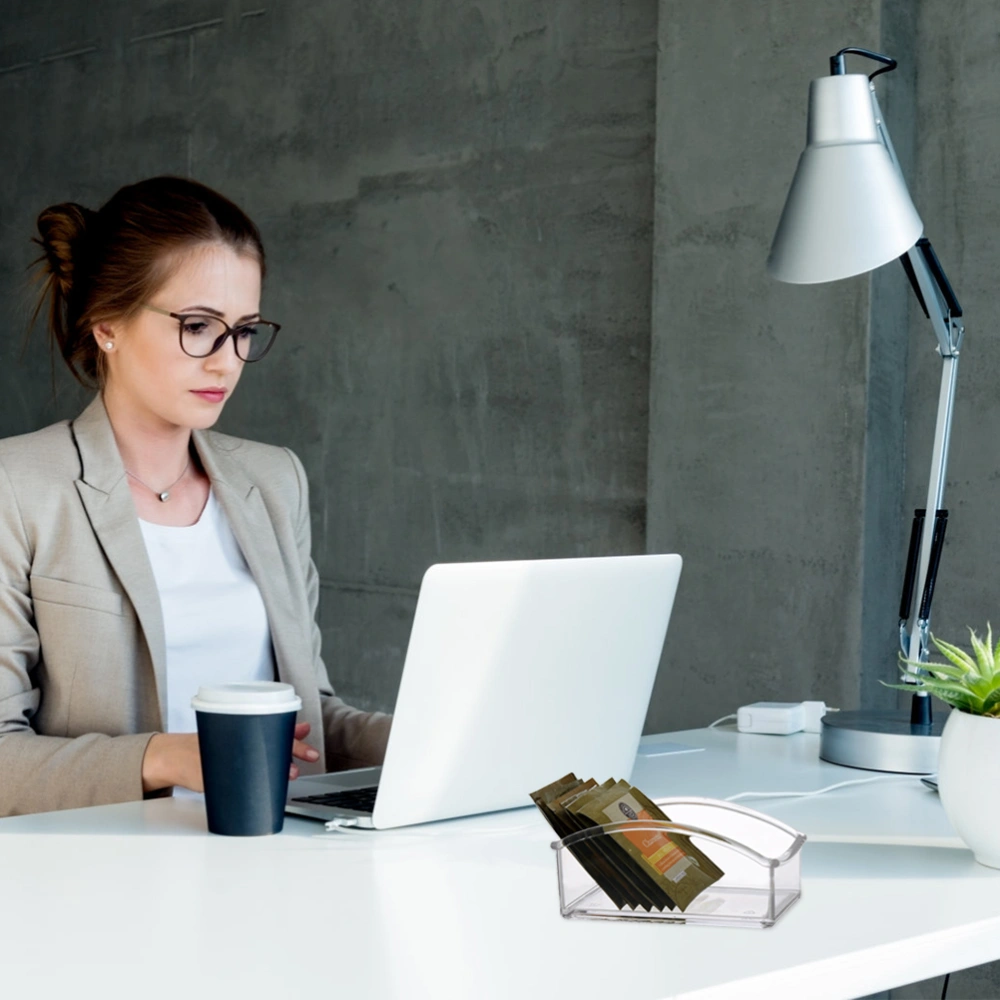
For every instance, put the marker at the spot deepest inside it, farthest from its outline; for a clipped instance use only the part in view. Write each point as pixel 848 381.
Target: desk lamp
pixel 848 211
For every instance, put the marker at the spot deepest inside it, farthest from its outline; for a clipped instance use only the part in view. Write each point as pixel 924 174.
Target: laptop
pixel 515 674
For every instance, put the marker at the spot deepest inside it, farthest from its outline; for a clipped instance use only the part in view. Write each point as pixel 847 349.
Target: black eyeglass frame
pixel 219 341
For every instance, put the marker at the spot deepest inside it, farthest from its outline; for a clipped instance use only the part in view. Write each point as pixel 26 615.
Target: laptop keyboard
pixel 358 799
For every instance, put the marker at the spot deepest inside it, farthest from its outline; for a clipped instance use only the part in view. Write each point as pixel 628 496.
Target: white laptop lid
pixel 518 672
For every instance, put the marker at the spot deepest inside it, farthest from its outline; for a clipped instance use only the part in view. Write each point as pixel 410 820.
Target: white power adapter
pixel 780 718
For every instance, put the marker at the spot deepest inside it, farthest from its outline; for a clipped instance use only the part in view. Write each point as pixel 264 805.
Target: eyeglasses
pixel 202 335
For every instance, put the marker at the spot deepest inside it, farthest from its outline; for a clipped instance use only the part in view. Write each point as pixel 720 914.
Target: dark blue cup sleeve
pixel 244 764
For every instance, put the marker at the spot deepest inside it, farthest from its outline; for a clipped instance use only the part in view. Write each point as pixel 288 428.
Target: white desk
pixel 137 900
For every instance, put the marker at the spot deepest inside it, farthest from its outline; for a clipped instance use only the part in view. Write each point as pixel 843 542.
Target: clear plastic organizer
pixel 759 855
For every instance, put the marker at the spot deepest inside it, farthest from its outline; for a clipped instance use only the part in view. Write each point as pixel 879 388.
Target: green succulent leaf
pixel 937 669
pixel 968 682
pixel 991 703
pixel 984 656
pixel 900 687
pixel 954 695
pixel 942 688
pixel 957 656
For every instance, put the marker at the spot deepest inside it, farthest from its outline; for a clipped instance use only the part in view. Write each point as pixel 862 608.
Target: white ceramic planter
pixel 970 748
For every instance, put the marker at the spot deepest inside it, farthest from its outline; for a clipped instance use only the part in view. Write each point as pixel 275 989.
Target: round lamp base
pixel 880 741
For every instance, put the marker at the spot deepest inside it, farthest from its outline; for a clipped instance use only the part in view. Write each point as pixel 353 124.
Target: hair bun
pixel 62 229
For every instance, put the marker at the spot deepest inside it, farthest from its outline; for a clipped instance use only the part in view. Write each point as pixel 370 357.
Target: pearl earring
pixel 109 345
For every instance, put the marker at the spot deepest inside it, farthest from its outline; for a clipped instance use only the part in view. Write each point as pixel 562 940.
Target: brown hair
pixel 103 265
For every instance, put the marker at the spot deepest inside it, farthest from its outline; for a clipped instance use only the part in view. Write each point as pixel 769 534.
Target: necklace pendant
pixel 164 496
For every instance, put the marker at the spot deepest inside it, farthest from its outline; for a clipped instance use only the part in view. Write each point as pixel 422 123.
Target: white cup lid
pixel 247 698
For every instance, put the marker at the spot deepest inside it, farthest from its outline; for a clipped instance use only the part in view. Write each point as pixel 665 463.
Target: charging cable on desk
pixel 718 722
pixel 819 791
pixel 782 718
pixel 436 831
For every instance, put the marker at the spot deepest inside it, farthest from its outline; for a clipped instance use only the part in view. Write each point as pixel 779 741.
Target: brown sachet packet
pixel 691 849
pixel 637 891
pixel 591 859
pixel 674 863
pixel 546 794
pixel 542 796
pixel 649 891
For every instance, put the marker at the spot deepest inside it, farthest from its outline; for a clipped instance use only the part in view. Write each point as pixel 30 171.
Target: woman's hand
pixel 302 750
pixel 174 759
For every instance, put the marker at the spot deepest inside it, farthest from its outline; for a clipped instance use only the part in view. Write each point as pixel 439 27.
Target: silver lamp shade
pixel 848 210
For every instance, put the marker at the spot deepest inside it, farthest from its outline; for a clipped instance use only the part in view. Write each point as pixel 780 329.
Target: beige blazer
pixel 82 651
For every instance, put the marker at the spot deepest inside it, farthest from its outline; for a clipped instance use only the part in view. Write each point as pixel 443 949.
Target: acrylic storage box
pixel 758 854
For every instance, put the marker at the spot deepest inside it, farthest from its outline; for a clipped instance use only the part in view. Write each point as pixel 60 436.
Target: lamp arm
pixel 924 270
pixel 942 308
pixel 914 630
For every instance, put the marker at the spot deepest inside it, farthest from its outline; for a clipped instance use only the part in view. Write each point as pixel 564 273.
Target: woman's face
pixel 147 371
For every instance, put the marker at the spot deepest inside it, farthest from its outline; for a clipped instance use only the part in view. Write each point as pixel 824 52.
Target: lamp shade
pixel 848 210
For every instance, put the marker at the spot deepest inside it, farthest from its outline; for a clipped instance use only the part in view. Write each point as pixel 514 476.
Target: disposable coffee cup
pixel 245 734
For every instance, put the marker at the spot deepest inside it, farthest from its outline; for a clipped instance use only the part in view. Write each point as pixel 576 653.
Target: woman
pixel 142 554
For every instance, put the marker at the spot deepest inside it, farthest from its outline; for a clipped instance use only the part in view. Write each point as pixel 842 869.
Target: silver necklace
pixel 164 495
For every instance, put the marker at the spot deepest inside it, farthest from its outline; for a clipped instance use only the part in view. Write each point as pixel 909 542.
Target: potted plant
pixel 970 743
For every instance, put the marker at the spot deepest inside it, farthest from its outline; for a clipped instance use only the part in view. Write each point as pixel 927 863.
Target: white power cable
pixel 350 831
pixel 819 791
pixel 718 722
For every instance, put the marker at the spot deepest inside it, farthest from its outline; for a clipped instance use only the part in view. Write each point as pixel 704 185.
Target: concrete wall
pixel 457 202
pixel 774 459
pixel 457 207
pixel 957 191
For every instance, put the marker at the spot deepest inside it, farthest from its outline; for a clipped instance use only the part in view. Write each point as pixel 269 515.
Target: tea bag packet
pixel 690 876
pixel 632 885
pixel 587 811
pixel 543 796
pixel 674 863
pixel 706 864
pixel 550 801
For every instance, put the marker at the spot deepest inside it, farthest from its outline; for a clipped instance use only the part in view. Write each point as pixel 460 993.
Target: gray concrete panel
pixel 957 191
pixel 456 202
pixel 758 390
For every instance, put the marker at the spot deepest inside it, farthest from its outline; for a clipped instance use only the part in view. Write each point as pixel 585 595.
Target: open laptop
pixel 516 673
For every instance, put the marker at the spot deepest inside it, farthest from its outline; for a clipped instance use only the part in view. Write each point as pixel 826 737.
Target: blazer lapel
pixel 107 499
pixel 104 491
pixel 254 531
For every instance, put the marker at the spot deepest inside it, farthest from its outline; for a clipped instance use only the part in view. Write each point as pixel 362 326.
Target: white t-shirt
pixel 214 620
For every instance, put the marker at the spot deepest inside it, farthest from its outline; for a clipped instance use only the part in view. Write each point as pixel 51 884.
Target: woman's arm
pixel 42 773
pixel 353 738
